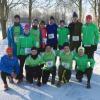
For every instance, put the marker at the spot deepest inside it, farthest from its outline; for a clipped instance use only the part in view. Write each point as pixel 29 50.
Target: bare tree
pixel 95 4
pixel 99 14
pixel 5 7
pixel 78 3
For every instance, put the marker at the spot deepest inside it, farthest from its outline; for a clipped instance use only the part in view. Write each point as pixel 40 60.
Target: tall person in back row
pixel 75 28
pixel 52 33
pixel 13 34
pixel 90 36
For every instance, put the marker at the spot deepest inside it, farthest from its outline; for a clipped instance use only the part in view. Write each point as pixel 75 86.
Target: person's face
pixel 42 25
pixel 48 49
pixel 26 31
pixel 10 54
pixel 66 49
pixel 35 23
pixel 17 20
pixel 34 52
pixel 75 19
pixel 88 20
pixel 51 21
pixel 62 24
pixel 81 52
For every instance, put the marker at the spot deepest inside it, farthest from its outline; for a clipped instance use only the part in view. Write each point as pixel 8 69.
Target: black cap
pixel 52 18
pixel 75 14
pixel 62 21
pixel 17 16
pixel 35 20
pixel 33 48
pixel 42 22
pixel 66 44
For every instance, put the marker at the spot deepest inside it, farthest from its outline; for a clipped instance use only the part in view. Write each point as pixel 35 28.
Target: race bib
pixel 88 64
pixel 37 44
pixel 16 39
pixel 27 50
pixel 51 36
pixel 65 65
pixel 44 40
pixel 87 45
pixel 49 64
pixel 75 38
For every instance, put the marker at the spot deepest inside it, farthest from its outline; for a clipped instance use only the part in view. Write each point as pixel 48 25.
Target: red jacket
pixel 43 37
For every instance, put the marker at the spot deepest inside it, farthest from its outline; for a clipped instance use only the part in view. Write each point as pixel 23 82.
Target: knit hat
pixel 27 26
pixel 33 48
pixel 52 18
pixel 9 50
pixel 62 21
pixel 42 22
pixel 75 15
pixel 17 16
pixel 81 48
pixel 35 20
pixel 66 44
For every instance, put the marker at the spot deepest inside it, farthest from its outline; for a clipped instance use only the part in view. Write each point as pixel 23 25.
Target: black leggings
pixel 88 73
pixel 90 50
pixel 33 72
pixel 4 76
pixel 67 73
pixel 46 74
pixel 22 61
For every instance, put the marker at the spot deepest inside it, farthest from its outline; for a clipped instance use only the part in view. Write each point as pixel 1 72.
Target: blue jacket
pixel 9 65
pixel 10 36
pixel 52 29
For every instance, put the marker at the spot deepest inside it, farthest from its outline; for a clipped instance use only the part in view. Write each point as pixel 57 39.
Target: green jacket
pixel 24 45
pixel 83 62
pixel 33 62
pixel 90 34
pixel 66 59
pixel 49 59
pixel 62 35
pixel 35 34
pixel 16 33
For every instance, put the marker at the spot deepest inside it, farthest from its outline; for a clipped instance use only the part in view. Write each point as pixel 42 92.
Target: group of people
pixel 38 47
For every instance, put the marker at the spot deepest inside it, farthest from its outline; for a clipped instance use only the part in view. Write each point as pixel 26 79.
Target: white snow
pixel 0 35
pixel 70 91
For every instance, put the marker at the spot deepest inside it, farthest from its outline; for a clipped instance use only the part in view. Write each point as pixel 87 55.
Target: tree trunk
pixel 80 9
pixel 95 10
pixel 30 11
pixel 99 14
pixel 4 10
pixel 3 27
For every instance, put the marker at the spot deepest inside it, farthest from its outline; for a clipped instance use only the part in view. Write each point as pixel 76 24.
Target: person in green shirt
pixel 13 34
pixel 24 48
pixel 62 33
pixel 90 36
pixel 33 66
pixel 35 33
pixel 49 58
pixel 84 66
pixel 66 59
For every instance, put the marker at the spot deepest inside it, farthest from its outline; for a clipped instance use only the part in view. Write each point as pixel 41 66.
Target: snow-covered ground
pixel 0 35
pixel 70 91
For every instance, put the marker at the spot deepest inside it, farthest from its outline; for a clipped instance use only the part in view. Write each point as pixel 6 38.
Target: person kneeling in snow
pixel 66 59
pixel 9 67
pixel 33 65
pixel 49 57
pixel 84 66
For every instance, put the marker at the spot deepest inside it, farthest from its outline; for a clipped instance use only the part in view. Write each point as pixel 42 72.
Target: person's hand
pixel 13 75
